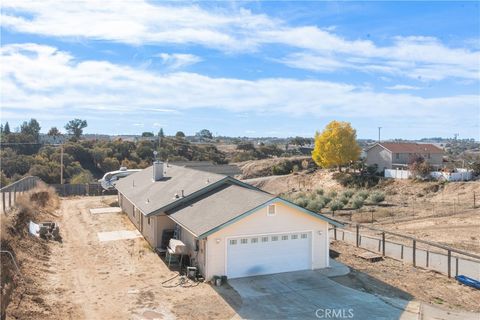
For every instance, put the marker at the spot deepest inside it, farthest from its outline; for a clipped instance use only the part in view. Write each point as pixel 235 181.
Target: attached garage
pixel 268 253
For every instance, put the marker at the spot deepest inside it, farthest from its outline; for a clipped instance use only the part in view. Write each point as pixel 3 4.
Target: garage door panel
pixel 265 254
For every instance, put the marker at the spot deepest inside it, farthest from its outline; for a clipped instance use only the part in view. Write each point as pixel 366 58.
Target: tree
pixel 336 146
pixel 180 135
pixel 160 133
pixel 6 129
pixel 420 168
pixel 75 127
pixel 31 128
pixel 147 134
pixel 204 134
pixel 53 132
pixel 245 146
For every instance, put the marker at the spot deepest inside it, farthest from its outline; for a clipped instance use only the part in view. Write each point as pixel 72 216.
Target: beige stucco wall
pixel 435 159
pixel 379 156
pixel 286 219
pixel 162 222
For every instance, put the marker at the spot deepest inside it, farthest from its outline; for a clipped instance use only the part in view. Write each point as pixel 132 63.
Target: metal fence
pixel 420 253
pixel 10 192
pixel 86 189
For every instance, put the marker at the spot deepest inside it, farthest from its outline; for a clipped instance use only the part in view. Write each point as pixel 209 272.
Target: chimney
pixel 157 170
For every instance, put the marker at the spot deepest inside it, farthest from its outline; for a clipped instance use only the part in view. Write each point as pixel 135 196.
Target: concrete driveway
pixel 312 295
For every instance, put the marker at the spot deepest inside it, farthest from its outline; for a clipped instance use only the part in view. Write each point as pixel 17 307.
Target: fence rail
pixel 420 253
pixel 9 193
pixel 87 189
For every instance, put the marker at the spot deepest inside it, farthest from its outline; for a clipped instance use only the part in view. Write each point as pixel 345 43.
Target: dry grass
pixel 36 205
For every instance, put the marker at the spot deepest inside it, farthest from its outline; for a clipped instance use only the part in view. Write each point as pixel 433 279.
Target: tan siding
pixel 286 219
pixel 381 157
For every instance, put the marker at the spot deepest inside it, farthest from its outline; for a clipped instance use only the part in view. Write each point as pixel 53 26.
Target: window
pixel 264 239
pixel 294 237
pixel 134 211
pixel 233 242
pixel 271 210
pixel 397 156
pixel 304 236
pixel 148 220
pixel 244 241
pixel 428 156
pixel 284 237
pixel 254 240
pixel 274 238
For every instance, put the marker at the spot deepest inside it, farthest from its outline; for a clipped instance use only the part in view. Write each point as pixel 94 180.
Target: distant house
pixel 390 155
pixel 229 227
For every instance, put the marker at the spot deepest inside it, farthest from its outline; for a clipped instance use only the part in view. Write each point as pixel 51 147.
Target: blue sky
pixel 244 68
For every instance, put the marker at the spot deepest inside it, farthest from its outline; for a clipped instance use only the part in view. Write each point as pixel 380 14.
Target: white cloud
pixel 44 78
pixel 138 22
pixel 174 61
pixel 403 87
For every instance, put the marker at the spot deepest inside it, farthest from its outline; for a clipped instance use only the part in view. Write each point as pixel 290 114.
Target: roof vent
pixel 176 196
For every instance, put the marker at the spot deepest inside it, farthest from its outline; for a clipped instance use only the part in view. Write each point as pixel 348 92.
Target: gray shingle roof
pixel 150 196
pixel 217 207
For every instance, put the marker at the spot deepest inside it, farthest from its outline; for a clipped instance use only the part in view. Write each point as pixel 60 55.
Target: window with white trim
pixel 264 239
pixel 148 220
pixel 254 240
pixel 233 242
pixel 244 241
pixel 274 238
pixel 271 210
pixel 284 237
pixel 304 236
pixel 294 237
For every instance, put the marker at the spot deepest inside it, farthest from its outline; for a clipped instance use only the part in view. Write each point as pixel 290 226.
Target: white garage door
pixel 266 254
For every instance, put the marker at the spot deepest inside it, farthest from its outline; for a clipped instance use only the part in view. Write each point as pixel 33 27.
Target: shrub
pixel 332 194
pixel 320 192
pixel 377 197
pixel 326 199
pixel 363 194
pixel 348 193
pixel 302 202
pixel 316 205
pixel 343 200
pixel 357 202
pixel 336 205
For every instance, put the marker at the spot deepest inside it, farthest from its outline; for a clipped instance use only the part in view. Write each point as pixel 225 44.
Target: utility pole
pixel 61 164
pixel 379 129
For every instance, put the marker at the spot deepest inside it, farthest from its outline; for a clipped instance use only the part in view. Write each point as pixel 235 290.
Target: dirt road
pixel 118 279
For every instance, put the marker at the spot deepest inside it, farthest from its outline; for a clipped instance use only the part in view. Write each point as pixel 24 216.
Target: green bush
pixel 377 197
pixel 348 193
pixel 332 194
pixel 320 192
pixel 327 199
pixel 316 205
pixel 336 205
pixel 363 194
pixel 357 202
pixel 343 200
pixel 302 202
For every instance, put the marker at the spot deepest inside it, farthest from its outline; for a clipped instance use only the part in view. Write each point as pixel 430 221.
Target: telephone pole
pixel 61 164
pixel 379 129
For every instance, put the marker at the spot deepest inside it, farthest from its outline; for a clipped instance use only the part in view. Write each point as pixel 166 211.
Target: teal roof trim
pixel 277 199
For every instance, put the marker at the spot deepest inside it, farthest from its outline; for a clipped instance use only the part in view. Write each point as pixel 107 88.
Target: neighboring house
pixel 229 227
pixel 399 155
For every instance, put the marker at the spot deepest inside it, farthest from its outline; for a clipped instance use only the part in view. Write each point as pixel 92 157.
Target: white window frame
pixel 274 210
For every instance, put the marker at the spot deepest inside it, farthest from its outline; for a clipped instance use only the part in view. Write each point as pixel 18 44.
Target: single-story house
pixel 391 155
pixel 230 228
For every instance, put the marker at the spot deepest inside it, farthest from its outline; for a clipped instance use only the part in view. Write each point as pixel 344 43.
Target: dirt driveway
pixel 119 279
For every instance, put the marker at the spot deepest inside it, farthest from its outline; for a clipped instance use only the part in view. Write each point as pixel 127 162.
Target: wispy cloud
pixel 174 61
pixel 138 22
pixel 45 78
pixel 403 87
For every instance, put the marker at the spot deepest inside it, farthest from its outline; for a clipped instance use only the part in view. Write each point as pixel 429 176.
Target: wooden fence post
pixel 383 244
pixel 428 260
pixel 473 199
pixel 335 232
pixel 9 198
pixel 358 235
pixel 449 263
pixel 3 203
pixel 414 250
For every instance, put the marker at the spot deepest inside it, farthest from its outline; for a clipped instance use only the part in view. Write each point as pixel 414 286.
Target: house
pixel 390 155
pixel 229 227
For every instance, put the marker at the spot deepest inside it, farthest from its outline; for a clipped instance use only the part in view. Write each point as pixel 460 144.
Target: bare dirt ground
pixel 88 279
pixel 423 285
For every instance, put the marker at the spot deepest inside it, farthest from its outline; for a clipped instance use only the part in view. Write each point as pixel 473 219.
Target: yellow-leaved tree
pixel 336 146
